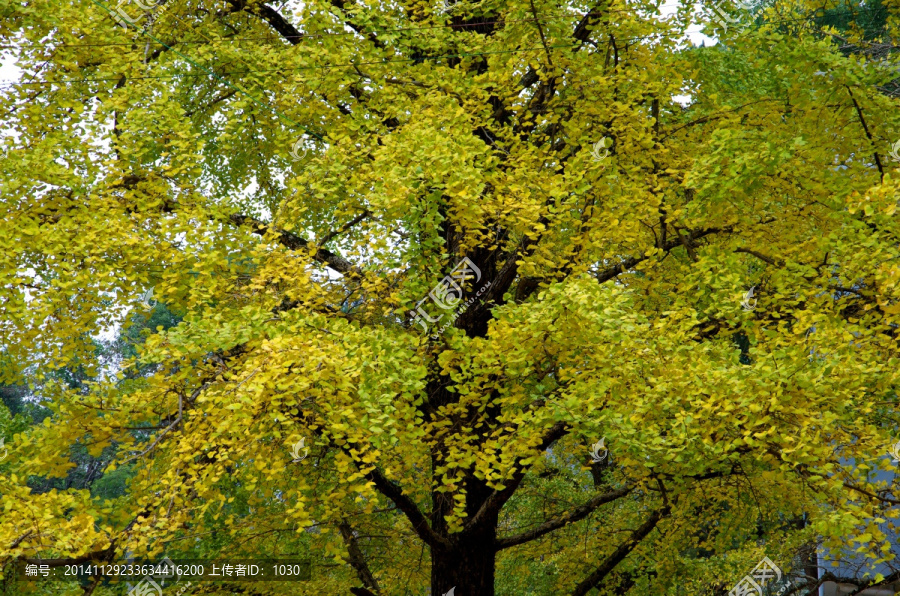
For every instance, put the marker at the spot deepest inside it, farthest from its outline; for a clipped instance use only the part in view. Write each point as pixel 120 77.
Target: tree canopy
pixel 556 302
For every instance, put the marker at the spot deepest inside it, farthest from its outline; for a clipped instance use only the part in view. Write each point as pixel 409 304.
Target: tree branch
pixel 541 31
pixel 295 242
pixel 498 498
pixel 620 553
pixel 864 585
pixel 631 262
pixel 583 29
pixel 290 33
pixel 272 17
pixel 865 126
pixel 419 523
pixel 871 495
pixel 19 540
pixel 332 235
pixel 761 257
pixel 575 515
pixel 158 438
pixel 357 559
pixel 581 32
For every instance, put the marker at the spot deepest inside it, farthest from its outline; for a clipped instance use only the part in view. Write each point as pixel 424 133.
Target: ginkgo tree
pixel 450 247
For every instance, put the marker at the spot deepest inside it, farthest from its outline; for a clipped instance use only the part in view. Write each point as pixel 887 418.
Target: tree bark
pixel 358 559
pixel 468 566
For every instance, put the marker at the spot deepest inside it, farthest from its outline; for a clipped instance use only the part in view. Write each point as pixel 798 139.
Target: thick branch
pixel 620 553
pixel 707 475
pixel 710 118
pixel 286 29
pixel 394 493
pixel 575 515
pixel 585 25
pixel 357 559
pixel 272 17
pixel 761 257
pixel 498 498
pixel 687 244
pixel 631 262
pixel 419 523
pixel 220 99
pixel 295 242
pixel 159 438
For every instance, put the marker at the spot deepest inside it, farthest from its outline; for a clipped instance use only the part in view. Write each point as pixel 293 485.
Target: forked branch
pixel 419 523
pixel 498 498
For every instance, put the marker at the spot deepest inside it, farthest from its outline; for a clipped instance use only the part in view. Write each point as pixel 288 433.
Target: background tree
pixel 294 180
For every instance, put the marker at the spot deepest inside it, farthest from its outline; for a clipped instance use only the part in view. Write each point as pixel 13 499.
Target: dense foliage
pixel 691 254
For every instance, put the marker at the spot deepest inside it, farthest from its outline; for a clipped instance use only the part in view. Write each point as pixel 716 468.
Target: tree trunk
pixel 468 566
